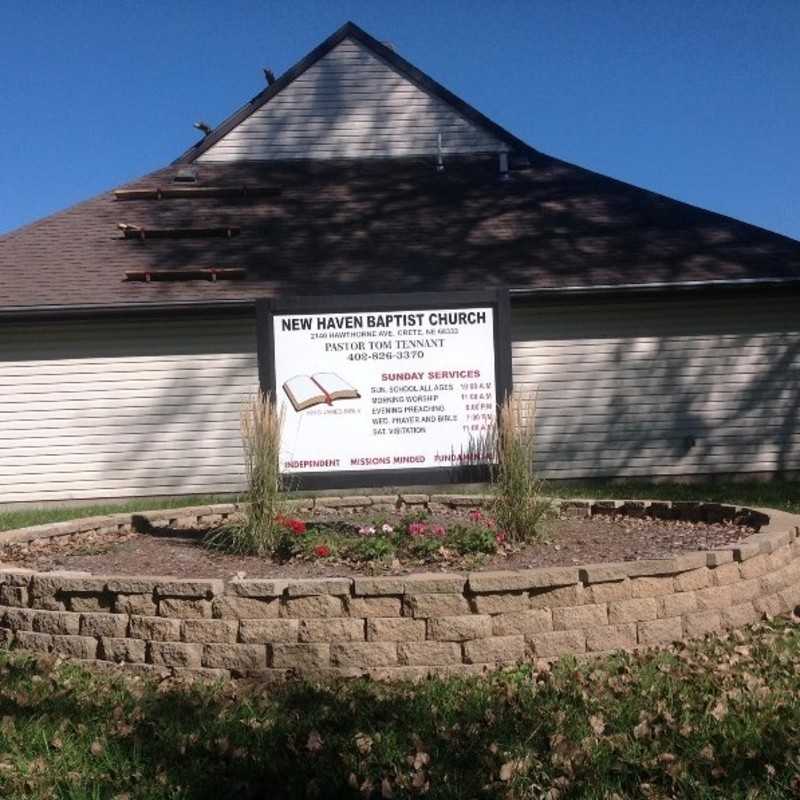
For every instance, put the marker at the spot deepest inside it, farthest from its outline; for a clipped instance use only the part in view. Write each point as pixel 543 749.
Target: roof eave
pixel 657 288
pixel 11 313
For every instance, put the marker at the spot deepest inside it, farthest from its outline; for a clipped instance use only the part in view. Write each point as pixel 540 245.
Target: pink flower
pixel 475 515
pixel 417 529
pixel 438 531
pixel 322 551
pixel 367 530
pixel 386 528
pixel 500 537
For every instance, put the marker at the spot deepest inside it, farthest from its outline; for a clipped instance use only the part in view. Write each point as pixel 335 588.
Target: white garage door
pixel 114 409
pixel 678 387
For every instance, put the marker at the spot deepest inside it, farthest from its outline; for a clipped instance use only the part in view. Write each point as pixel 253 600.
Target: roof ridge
pixel 412 73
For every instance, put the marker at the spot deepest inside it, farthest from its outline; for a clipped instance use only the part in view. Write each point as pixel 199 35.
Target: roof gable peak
pixel 444 107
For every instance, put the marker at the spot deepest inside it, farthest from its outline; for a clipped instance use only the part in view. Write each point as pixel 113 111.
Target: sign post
pixel 385 389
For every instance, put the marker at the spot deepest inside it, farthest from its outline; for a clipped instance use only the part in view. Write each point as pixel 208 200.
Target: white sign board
pixel 383 390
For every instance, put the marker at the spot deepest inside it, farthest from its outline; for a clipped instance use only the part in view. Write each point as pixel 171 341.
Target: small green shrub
pixel 472 539
pixel 424 547
pixel 375 548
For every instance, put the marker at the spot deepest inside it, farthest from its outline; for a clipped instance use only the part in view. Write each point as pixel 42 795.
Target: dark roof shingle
pixel 386 225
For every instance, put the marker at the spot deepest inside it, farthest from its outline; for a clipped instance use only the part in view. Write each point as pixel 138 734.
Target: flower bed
pixel 398 626
pixel 414 537
pixel 327 542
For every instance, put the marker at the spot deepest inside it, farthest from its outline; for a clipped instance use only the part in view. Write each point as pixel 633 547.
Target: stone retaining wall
pixel 399 626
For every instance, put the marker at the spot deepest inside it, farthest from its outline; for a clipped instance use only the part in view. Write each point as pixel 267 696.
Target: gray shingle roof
pixel 386 225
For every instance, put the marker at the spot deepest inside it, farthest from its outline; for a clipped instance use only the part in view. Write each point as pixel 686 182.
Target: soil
pixel 563 541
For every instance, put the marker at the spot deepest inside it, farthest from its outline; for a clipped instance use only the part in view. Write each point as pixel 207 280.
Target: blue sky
pixel 697 100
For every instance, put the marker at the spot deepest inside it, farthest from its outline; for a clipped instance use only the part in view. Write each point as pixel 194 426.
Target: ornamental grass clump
pixel 518 504
pixel 262 526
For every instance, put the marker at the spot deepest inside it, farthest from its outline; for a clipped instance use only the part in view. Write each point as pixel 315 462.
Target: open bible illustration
pixel 305 391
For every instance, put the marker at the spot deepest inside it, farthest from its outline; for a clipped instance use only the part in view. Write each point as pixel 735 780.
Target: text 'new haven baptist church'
pixel 405 320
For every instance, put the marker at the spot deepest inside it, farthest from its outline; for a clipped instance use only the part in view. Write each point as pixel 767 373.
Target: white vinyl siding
pixel 104 409
pixel 350 104
pixel 151 407
pixel 621 385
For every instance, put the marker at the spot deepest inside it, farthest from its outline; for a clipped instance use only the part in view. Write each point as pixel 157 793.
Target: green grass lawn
pixel 23 517
pixel 718 719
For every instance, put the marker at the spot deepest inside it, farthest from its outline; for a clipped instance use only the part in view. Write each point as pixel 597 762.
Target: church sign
pixel 388 389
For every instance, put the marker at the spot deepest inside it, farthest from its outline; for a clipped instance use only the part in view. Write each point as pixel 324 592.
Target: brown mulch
pixel 563 541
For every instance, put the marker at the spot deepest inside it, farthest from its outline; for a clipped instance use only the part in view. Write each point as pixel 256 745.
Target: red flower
pixel 475 515
pixel 500 537
pixel 296 526
pixel 322 551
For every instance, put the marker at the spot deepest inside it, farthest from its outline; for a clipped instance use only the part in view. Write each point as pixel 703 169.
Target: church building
pixel 663 340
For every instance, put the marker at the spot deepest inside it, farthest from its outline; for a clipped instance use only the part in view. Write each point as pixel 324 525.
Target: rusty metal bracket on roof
pixel 212 274
pixel 159 193
pixel 137 232
pixel 131 231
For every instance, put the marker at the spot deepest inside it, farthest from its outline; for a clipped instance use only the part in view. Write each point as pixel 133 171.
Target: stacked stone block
pixel 406 626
